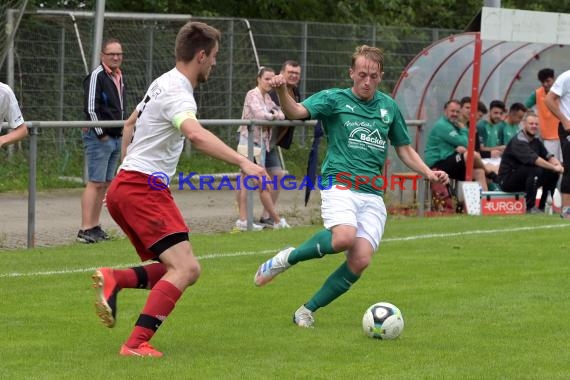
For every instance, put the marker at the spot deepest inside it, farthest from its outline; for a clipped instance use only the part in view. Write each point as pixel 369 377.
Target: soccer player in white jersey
pixel 142 204
pixel 10 112
pixel 358 122
pixel 558 102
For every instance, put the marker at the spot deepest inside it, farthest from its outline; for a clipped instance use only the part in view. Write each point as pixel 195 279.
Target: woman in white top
pixel 258 105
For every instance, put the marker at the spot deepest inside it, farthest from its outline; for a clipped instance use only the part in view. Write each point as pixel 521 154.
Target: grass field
pixel 482 298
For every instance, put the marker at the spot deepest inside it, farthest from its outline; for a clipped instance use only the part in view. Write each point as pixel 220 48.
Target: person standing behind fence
pixel 10 112
pixel 358 123
pixel 104 99
pixel 558 102
pixel 140 201
pixel 258 105
pixel 283 136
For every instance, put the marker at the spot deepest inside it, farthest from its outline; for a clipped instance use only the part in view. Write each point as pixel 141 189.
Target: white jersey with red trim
pixel 157 140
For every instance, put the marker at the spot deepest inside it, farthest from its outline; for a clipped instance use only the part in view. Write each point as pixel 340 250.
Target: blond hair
pixel 529 114
pixel 370 52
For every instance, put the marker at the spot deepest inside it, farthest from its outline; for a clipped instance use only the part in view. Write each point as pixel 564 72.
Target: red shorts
pixel 149 217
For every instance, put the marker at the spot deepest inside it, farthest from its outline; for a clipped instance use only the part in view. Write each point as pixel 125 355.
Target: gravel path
pixel 58 214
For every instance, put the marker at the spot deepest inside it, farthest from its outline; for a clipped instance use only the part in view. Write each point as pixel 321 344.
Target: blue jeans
pixel 272 159
pixel 102 156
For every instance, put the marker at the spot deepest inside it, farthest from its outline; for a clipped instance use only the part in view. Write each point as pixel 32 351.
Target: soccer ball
pixel 383 321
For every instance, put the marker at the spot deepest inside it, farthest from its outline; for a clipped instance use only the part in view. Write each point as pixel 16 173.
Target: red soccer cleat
pixel 145 349
pixel 106 304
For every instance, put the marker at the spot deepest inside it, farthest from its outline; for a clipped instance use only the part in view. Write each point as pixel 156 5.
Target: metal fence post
pixel 245 182
pixel 33 132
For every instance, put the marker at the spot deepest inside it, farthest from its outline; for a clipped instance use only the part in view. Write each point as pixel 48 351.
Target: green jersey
pixel 489 133
pixel 507 132
pixel 357 132
pixel 531 100
pixel 443 139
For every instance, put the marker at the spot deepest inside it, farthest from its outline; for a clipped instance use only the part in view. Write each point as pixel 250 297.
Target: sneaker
pixel 282 224
pixel 242 225
pixel 565 214
pixel 534 211
pixel 89 236
pixel 303 317
pixel 267 221
pixel 272 267
pixel 145 349
pixel 102 234
pixel 107 289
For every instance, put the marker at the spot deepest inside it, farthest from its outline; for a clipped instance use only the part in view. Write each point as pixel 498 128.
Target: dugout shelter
pixel 498 58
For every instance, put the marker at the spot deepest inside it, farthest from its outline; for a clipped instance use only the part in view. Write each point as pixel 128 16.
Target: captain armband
pixel 179 118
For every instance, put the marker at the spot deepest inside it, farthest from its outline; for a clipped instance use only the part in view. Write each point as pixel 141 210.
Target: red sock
pixel 126 278
pixel 154 272
pixel 143 277
pixel 161 300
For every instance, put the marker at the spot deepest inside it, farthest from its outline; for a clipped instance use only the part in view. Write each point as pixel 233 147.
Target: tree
pixel 444 14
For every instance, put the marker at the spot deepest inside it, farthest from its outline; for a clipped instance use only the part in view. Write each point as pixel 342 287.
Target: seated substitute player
pixel 511 124
pixel 358 122
pixel 143 206
pixel 488 130
pixel 526 164
pixel 446 146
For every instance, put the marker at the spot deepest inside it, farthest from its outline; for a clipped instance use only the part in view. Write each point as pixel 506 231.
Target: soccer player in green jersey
pixel 358 122
pixel 491 145
pixel 511 125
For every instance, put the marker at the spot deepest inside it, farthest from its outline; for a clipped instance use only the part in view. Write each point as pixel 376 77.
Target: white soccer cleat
pixel 303 317
pixel 272 267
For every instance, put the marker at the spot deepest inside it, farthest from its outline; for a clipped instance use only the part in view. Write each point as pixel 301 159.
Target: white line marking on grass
pixel 254 253
pixel 475 232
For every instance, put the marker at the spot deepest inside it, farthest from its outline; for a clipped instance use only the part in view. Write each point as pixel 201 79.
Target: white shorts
pixel 242 149
pixel 493 161
pixel 366 212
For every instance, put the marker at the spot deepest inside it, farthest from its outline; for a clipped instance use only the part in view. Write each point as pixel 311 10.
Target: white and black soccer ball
pixel 383 321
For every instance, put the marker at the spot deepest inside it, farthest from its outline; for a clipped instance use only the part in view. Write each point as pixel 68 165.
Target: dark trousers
pixel 528 179
pixel 565 146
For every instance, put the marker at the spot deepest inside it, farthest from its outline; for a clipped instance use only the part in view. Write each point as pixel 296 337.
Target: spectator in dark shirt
pixel 527 165
pixel 104 99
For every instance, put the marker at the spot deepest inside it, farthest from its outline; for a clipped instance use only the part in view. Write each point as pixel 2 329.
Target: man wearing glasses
pixel 104 99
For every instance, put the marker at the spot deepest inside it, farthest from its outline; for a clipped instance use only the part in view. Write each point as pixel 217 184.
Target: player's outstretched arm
pixel 552 101
pixel 413 160
pixel 19 133
pixel 208 143
pixel 291 109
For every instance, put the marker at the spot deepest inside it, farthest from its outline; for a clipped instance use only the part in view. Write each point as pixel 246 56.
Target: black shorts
pixel 453 165
pixel 564 145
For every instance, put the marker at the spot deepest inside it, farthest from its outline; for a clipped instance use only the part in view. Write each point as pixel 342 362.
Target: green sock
pixel 317 246
pixel 336 285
